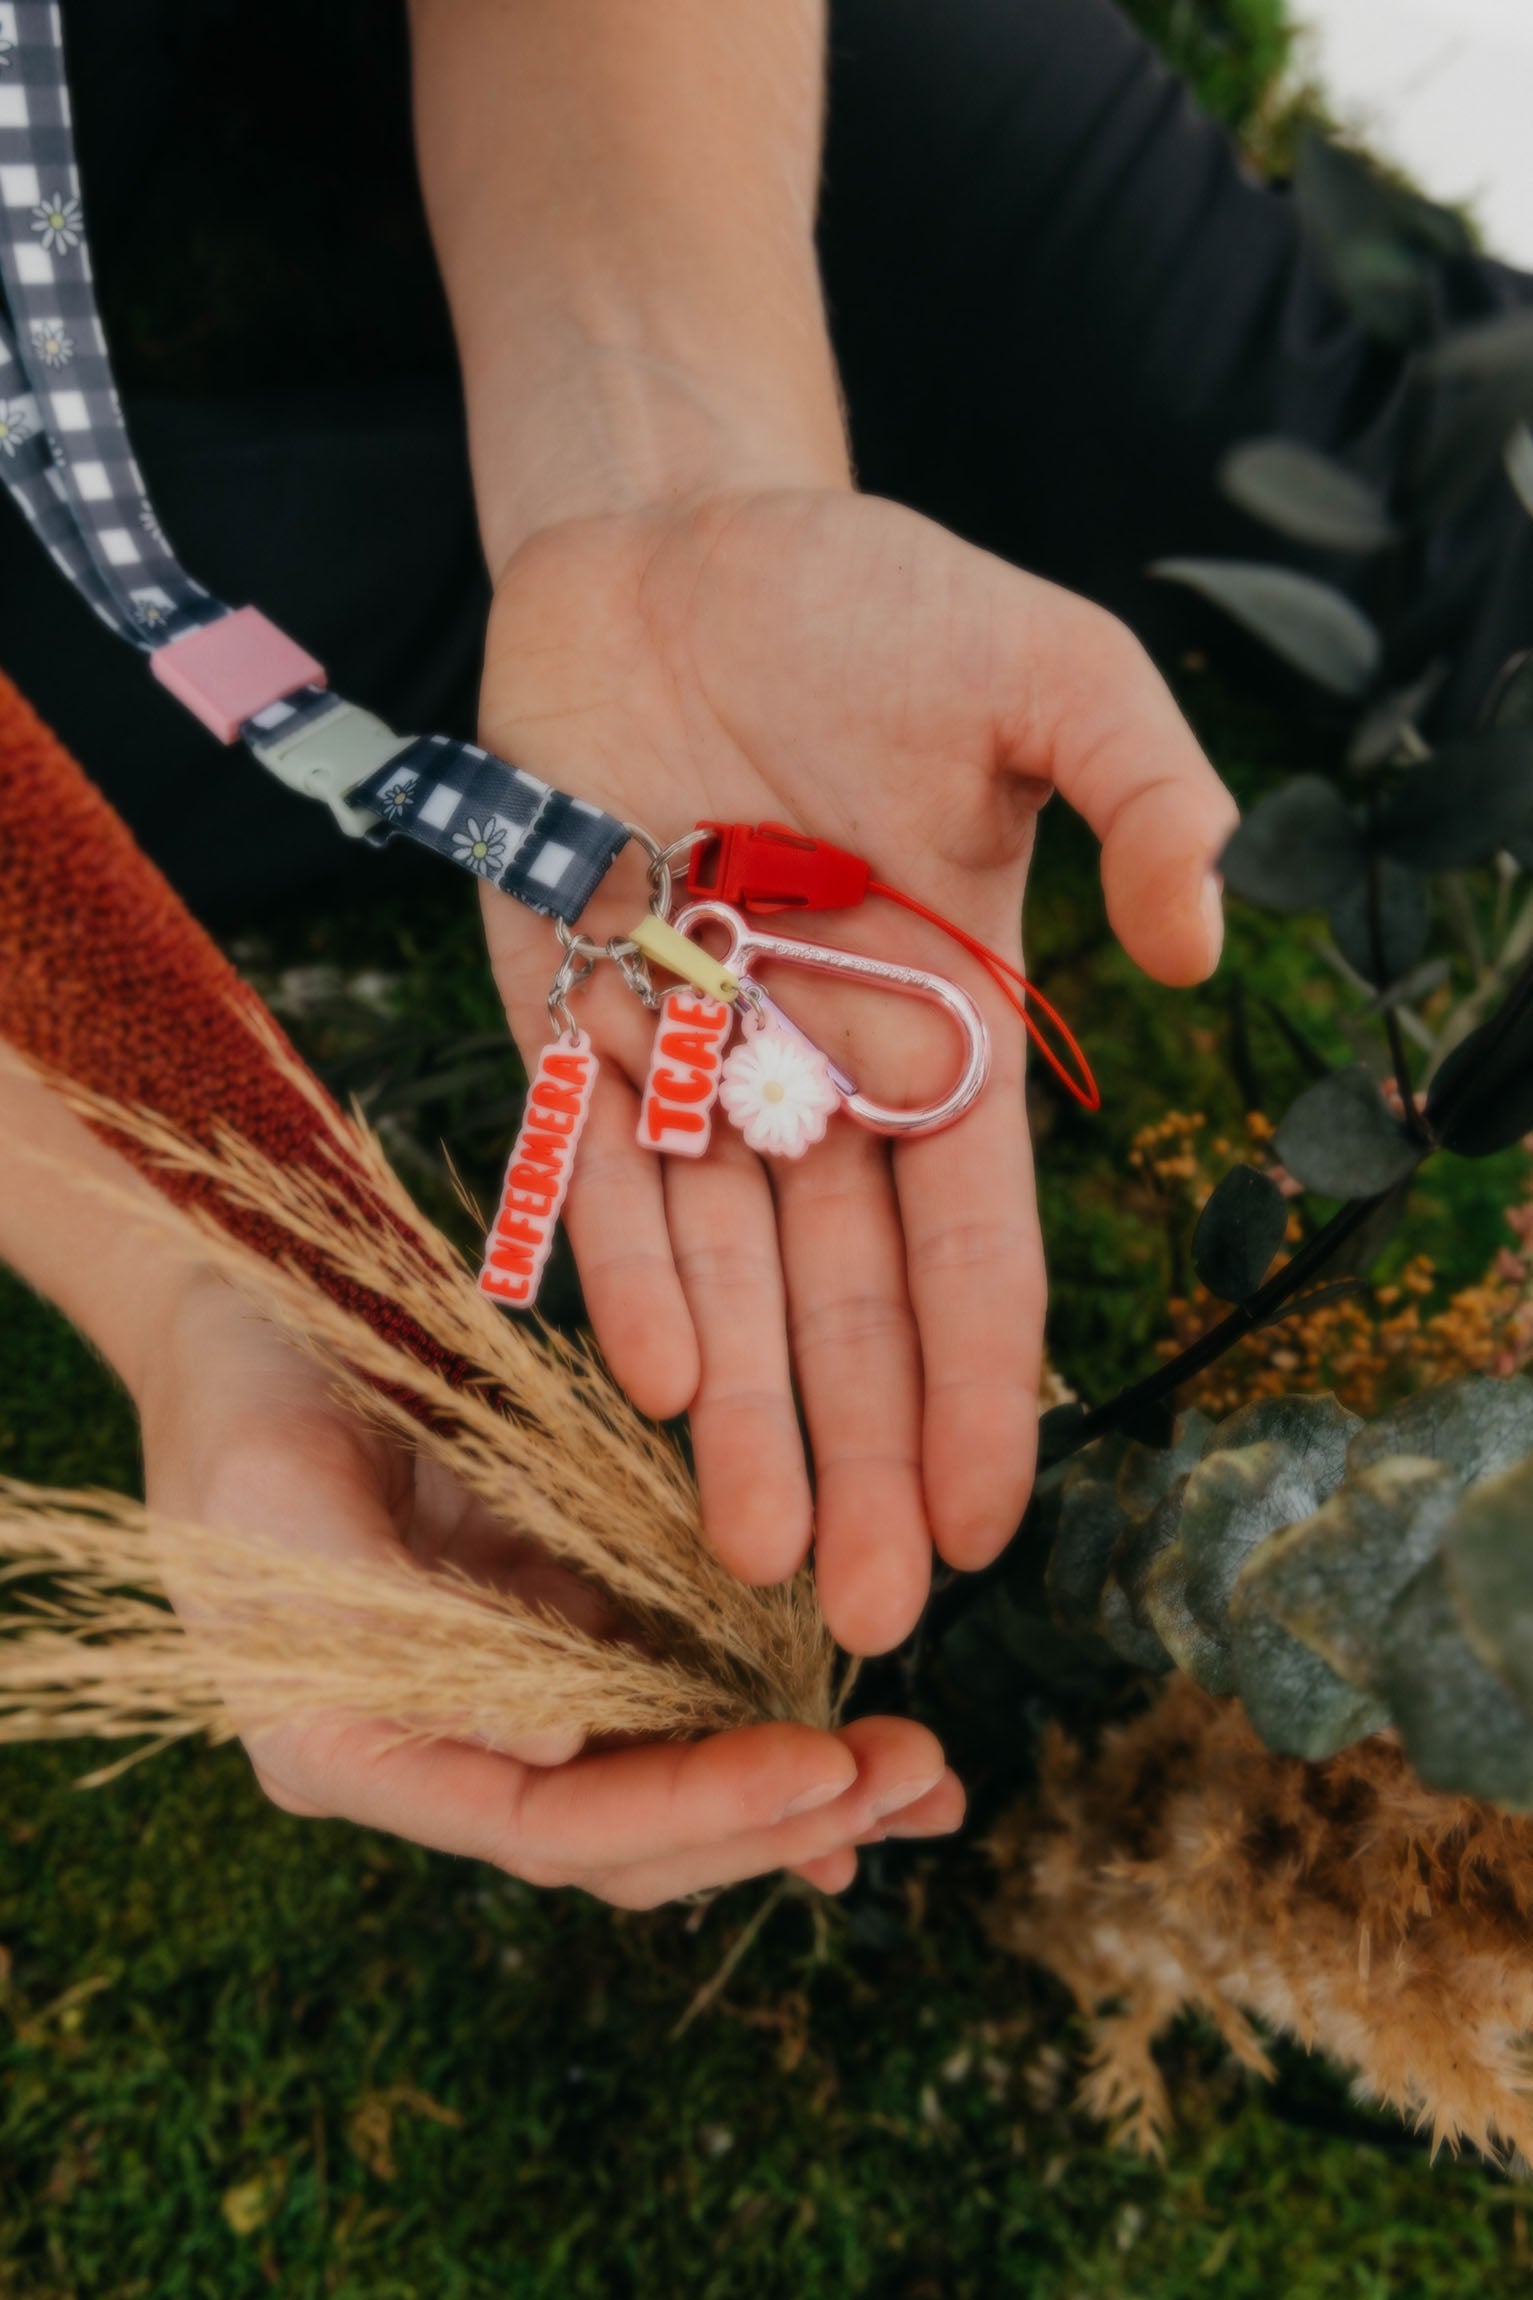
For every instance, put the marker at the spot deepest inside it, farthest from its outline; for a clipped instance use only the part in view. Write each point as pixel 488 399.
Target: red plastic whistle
pixel 765 867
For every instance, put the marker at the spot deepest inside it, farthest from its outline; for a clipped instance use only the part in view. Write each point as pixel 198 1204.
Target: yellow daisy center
pixel 772 1090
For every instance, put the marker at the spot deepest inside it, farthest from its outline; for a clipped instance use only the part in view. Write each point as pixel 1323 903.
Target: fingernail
pixel 1212 903
pixel 898 1828
pixel 902 1794
pixel 823 1793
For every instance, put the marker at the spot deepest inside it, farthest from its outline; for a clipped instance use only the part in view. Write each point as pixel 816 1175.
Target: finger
pixel 746 1444
pixel 602 1811
pixel 898 1766
pixel 831 1873
pixel 859 1370
pixel 977 1284
pixel 616 1219
pixel 1124 757
pixel 937 1814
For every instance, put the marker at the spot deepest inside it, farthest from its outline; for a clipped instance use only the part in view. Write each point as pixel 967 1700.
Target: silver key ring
pixel 581 954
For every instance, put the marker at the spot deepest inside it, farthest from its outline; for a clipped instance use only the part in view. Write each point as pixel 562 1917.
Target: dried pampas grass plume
pixel 1184 1867
pixel 528 1423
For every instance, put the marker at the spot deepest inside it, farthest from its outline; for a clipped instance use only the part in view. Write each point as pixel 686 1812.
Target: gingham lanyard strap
pixel 66 460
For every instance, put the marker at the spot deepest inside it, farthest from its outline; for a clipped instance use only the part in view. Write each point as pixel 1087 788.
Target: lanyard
pixel 67 463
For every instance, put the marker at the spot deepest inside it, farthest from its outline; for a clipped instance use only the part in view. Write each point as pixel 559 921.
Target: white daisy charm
pixel 777 1089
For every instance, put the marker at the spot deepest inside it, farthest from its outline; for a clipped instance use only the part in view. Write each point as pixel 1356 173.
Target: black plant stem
pixel 1306 1264
pixel 1415 1125
pixel 1246 1319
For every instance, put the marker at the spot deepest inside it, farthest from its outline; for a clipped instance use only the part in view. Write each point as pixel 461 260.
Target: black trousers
pixel 1056 294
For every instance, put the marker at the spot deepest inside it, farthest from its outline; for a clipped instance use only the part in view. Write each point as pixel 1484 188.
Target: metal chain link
pixel 581 954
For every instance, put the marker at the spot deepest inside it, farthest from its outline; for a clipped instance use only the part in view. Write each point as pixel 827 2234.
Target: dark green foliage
pixel 1306 496
pixel 1477 1426
pixel 1380 923
pixel 1232 52
pixel 1338 1577
pixel 1299 849
pixel 1340 1139
pixel 1462 805
pixel 1462 1728
pixel 1379 244
pixel 1488 1566
pixel 1238 1234
pixel 1477 386
pixel 1482 1097
pixel 1299 1705
pixel 1308 624
pixel 1331 1579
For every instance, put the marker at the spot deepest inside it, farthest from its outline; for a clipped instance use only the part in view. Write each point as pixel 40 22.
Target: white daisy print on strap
pixel 66 461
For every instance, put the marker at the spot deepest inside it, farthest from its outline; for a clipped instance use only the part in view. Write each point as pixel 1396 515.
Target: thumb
pixel 1100 723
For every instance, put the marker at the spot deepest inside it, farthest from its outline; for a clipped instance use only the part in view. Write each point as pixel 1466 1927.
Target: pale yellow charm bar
pixel 687 959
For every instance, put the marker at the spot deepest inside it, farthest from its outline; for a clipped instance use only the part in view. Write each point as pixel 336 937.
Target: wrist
pixel 612 412
pixel 195 1313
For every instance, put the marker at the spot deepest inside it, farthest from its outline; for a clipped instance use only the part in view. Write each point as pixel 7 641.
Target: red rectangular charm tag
pixel 676 1114
pixel 538 1174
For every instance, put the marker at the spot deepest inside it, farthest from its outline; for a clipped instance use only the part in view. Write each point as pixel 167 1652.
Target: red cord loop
pixel 767 867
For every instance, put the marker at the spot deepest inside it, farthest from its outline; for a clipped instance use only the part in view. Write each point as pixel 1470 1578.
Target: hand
pixel 835 662
pixel 241 1432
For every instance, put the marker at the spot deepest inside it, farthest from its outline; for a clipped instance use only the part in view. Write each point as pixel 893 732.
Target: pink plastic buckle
pixel 225 672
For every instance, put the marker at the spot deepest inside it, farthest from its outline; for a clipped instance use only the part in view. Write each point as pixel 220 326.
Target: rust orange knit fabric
pixel 106 977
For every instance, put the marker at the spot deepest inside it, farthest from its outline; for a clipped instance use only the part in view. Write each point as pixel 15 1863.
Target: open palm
pixel 839 664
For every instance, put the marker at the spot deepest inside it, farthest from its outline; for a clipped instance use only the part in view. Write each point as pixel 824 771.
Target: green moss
pixel 1232 52
pixel 407 2077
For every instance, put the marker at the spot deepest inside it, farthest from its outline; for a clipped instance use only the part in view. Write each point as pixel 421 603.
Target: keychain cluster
pixel 721 1041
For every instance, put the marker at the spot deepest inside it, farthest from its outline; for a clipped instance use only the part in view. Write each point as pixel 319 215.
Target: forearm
pixel 622 197
pixel 68 1227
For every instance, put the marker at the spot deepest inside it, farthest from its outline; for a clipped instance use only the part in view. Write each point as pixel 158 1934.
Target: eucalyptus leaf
pixel 1119 1627
pixel 1330 1580
pixel 1478 1425
pixel 1487 1559
pixel 1232 1503
pixel 1462 1729
pixel 1090 1520
pixel 1481 383
pixel 1340 1139
pixel 1494 350
pixel 1296 1702
pixel 1511 702
pixel 1298 849
pixel 1202 1654
pixel 1238 1233
pixel 1376 242
pixel 1146 1474
pixel 1481 1099
pixel 1308 624
pixel 1404 918
pixel 1382 730
pixel 1306 496
pixel 1316 1431
pixel 1462 805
